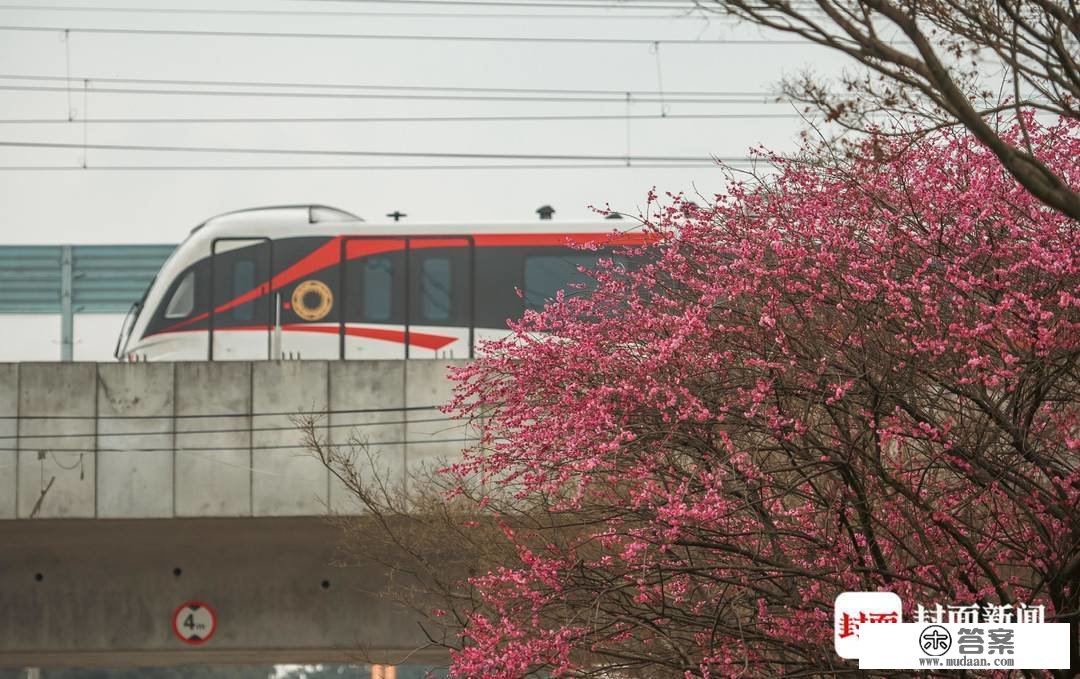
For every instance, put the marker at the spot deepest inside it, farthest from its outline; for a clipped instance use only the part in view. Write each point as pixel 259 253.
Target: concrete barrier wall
pixel 9 427
pixel 164 440
pixel 103 593
pixel 136 460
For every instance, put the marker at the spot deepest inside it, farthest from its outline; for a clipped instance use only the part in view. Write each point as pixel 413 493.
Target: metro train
pixel 315 282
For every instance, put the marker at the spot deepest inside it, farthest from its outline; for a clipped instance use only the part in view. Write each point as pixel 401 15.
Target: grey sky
pixel 161 206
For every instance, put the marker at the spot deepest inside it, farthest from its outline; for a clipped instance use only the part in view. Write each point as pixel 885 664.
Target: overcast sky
pixel 161 206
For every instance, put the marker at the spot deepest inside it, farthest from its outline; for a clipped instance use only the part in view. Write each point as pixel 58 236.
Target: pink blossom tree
pixel 852 375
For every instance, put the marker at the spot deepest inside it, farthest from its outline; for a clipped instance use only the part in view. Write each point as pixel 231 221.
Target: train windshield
pixel 129 322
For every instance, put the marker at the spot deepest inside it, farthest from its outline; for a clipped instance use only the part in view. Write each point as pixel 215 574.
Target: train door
pixel 307 300
pixel 441 313
pixel 407 297
pixel 373 300
pixel 240 320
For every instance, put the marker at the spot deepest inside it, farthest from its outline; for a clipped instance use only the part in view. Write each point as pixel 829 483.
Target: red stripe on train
pixel 416 339
pixel 322 257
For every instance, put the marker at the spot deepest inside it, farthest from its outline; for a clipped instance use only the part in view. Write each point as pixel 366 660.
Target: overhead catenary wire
pixel 224 449
pixel 565 3
pixel 397 95
pixel 383 86
pixel 228 430
pixel 615 12
pixel 364 153
pixel 185 416
pixel 380 168
pixel 621 4
pixel 408 119
pixel 521 39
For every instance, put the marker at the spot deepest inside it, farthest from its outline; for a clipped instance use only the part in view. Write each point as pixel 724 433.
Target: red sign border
pixel 199 604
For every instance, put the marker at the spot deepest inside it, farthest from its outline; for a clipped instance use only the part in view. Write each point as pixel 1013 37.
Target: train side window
pixel 378 289
pixel 545 275
pixel 243 281
pixel 182 302
pixel 435 286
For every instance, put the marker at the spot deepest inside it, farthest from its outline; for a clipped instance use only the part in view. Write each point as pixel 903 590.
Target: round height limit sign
pixel 194 622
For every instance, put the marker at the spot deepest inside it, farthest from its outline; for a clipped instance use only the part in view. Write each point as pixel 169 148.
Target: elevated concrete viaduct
pixel 129 489
pixel 102 593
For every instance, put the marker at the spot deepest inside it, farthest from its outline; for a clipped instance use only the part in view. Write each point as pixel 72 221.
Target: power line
pixel 185 416
pixel 235 430
pixel 689 9
pixel 351 153
pixel 616 14
pixel 416 37
pixel 622 4
pixel 381 95
pixel 358 86
pixel 409 119
pixel 614 4
pixel 381 168
pixel 225 449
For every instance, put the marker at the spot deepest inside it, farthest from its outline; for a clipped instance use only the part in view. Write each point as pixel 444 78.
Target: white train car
pixel 313 282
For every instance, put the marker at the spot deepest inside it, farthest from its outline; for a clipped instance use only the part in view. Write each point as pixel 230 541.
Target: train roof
pixel 290 221
pixel 280 214
pixel 298 220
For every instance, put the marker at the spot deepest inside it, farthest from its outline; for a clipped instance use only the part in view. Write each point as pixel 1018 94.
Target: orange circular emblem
pixel 312 300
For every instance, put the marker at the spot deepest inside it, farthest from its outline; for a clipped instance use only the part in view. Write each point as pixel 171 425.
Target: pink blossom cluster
pixel 859 373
